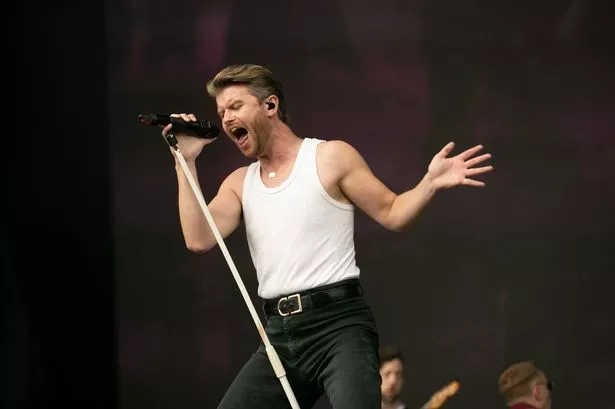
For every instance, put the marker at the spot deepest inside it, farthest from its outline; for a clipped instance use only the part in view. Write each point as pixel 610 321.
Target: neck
pixel 282 146
pixel 389 405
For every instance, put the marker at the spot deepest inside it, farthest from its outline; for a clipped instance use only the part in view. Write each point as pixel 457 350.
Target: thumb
pixel 166 129
pixel 448 148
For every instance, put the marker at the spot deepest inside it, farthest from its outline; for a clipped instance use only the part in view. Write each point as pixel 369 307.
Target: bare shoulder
pixel 336 147
pixel 335 160
pixel 338 153
pixel 234 181
pixel 238 174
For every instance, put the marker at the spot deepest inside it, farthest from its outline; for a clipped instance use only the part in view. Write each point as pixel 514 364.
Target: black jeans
pixel 331 349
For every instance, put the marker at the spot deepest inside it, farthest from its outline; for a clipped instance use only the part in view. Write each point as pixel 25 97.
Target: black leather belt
pixel 316 297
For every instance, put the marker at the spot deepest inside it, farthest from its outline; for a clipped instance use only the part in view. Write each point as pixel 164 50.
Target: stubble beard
pixel 260 135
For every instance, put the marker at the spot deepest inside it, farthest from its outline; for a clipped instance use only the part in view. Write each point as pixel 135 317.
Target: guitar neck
pixel 438 398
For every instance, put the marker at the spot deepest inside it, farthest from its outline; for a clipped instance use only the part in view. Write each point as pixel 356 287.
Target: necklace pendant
pixel 271 174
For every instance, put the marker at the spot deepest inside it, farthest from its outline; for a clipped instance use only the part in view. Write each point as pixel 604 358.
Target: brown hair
pixel 516 381
pixel 259 80
pixel 389 353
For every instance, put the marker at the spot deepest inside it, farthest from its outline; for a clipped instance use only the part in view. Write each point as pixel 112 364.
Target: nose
pixel 227 118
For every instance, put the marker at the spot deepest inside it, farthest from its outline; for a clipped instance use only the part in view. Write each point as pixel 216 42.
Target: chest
pixel 325 173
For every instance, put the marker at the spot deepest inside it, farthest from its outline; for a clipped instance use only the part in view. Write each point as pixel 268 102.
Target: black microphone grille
pixel 148 119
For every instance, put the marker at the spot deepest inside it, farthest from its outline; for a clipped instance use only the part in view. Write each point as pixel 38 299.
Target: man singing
pixel 297 200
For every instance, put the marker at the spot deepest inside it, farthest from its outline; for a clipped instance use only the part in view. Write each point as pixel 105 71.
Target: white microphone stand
pixel 271 353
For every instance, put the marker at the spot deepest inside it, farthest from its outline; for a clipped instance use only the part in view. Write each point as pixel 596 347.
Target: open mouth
pixel 239 133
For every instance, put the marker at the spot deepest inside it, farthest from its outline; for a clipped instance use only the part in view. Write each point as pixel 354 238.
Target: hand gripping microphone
pixel 200 129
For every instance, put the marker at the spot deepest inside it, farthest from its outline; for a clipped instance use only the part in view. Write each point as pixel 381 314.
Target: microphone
pixel 201 129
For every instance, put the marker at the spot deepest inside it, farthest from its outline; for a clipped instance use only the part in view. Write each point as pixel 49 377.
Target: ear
pixel 271 106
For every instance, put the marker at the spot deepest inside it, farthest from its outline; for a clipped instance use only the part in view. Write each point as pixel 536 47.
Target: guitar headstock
pixel 438 398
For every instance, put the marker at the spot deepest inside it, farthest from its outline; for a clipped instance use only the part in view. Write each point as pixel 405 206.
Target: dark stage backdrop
pixel 486 277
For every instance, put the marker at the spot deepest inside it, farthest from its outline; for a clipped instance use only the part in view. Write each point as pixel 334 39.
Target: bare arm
pixel 395 212
pixel 366 191
pixel 225 209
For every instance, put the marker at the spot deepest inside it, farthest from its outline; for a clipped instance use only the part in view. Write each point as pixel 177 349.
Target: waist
pixel 297 303
pixel 291 275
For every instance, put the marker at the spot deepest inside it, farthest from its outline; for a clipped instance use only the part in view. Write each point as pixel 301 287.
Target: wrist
pixel 189 162
pixel 178 167
pixel 428 185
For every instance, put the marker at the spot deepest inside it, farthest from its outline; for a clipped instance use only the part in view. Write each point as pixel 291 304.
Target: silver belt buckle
pixel 295 311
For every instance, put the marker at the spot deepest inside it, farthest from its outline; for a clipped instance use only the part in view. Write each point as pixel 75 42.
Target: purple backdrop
pixel 518 270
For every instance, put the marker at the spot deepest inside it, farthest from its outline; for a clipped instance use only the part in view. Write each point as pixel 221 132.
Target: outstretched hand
pixel 446 172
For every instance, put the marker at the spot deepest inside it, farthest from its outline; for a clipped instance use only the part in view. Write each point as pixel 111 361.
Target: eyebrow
pixel 233 102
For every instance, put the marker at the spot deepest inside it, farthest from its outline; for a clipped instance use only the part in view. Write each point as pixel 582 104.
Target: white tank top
pixel 299 237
